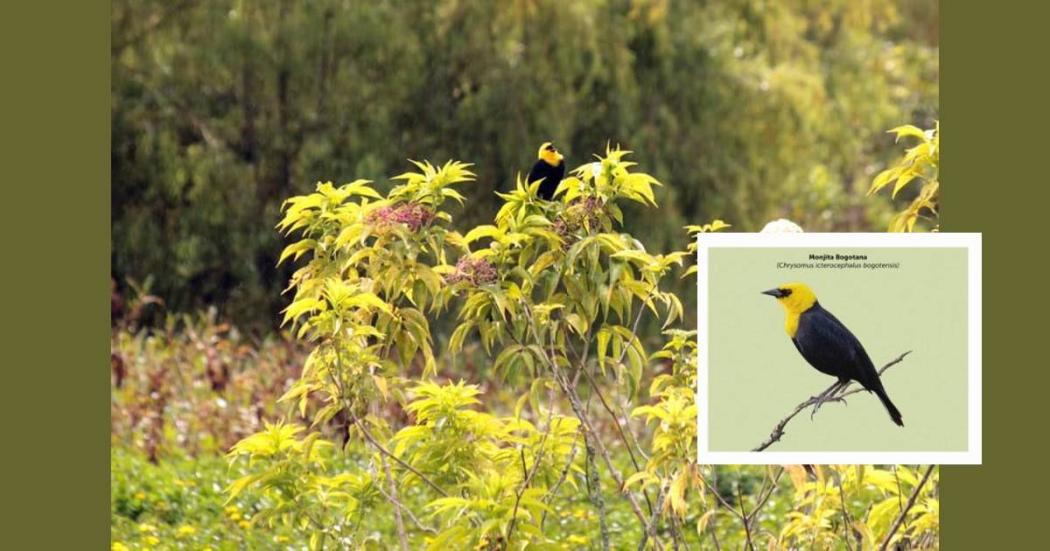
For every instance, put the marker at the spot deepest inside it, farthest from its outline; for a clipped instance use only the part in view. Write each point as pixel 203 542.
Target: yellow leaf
pixel 381 385
pixel 482 232
pixel 676 493
pixel 644 477
pixel 904 179
pixel 908 130
pixel 703 521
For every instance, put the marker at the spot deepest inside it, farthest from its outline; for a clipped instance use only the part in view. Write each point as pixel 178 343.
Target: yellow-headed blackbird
pixel 550 168
pixel 827 345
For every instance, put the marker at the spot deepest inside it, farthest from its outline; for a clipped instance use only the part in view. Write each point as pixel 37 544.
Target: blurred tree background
pixel 748 110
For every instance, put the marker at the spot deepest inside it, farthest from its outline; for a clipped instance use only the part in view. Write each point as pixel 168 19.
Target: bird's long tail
pixel 895 413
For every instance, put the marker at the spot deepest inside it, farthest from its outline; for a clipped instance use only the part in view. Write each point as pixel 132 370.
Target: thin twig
pixel 415 520
pixel 764 496
pixel 402 537
pixel 564 473
pixel 711 529
pixel 778 430
pixel 615 418
pixel 744 517
pixel 528 474
pixel 577 407
pixel 847 522
pixel 712 525
pixel 605 404
pixel 904 512
pixel 654 519
pixel 371 440
pixel 589 430
pixel 676 533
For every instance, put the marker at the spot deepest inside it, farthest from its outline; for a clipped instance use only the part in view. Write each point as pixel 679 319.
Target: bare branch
pixel 907 507
pixel 839 395
pixel 744 516
pixel 654 519
pixel 764 496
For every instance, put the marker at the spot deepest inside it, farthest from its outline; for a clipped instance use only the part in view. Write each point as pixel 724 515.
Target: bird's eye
pixel 785 292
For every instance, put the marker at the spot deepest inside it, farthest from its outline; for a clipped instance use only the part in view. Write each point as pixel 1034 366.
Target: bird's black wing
pixel 551 176
pixel 831 348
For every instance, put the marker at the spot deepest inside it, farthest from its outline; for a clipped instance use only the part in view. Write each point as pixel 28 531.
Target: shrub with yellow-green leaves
pixel 672 465
pixel 554 293
pixel 921 163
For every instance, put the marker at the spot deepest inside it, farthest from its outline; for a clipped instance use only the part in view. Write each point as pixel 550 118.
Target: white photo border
pixel 969 241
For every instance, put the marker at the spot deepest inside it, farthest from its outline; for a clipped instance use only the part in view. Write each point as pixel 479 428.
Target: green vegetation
pixel 748 111
pixel 439 359
pixel 581 413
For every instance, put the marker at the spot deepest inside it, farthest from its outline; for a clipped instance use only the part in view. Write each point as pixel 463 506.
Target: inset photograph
pixel 839 348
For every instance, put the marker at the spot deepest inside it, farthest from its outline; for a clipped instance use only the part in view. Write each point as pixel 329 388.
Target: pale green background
pixel 757 376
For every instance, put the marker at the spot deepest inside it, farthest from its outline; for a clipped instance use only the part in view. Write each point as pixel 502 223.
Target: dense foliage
pixel 748 110
pixel 594 444
pixel 458 368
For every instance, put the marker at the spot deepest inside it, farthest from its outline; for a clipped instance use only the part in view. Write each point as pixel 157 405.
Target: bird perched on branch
pixel 828 345
pixel 550 168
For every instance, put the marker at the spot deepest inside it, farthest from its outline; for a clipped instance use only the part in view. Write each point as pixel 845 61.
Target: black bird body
pixel 550 168
pixel 827 345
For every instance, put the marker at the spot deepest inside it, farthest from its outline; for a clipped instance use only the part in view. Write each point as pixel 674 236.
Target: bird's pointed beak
pixel 775 293
pixel 560 156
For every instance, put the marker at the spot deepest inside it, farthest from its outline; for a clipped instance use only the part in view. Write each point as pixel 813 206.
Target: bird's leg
pixel 822 395
pixel 827 396
pixel 815 401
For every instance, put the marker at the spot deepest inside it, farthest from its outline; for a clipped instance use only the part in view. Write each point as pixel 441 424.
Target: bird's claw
pixel 820 400
pixel 816 407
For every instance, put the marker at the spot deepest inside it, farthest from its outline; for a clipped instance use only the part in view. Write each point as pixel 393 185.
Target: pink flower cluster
pixel 584 212
pixel 413 215
pixel 476 271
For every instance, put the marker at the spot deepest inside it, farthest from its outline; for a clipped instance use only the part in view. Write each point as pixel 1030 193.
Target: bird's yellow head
pixel 549 154
pixel 794 297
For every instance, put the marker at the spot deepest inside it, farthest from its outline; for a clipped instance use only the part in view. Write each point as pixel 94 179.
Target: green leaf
pixel 603 346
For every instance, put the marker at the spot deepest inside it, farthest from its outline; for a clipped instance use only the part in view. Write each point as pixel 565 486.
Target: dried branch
pixel 833 395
